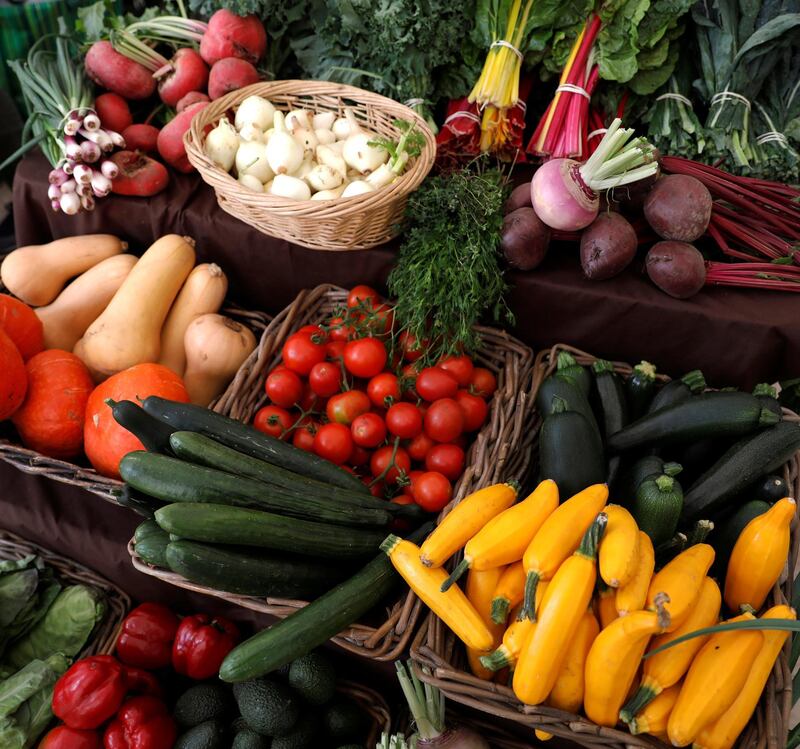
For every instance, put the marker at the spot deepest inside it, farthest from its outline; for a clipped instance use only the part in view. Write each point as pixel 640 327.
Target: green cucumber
pixel 678 391
pixel 150 543
pixel 175 480
pixel 151 432
pixel 640 387
pixel 557 387
pixel 237 526
pixel 657 509
pixel 249 573
pixel 729 531
pixel 567 368
pixel 614 406
pixel 708 415
pixel 189 418
pixel 141 504
pixel 570 451
pixel 314 624
pixel 741 466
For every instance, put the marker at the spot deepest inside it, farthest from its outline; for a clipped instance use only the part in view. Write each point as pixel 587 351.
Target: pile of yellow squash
pixel 586 605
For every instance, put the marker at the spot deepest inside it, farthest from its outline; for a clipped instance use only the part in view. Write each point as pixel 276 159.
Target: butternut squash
pixel 37 273
pixel 619 549
pixel 722 734
pixel 653 718
pixel 203 292
pixel 128 332
pixel 480 588
pixel 759 556
pixel 66 319
pixel 633 595
pixel 568 691
pixel 216 347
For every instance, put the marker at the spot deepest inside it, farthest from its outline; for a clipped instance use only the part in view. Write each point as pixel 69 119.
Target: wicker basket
pixel 356 223
pixel 500 450
pixel 373 704
pixel 437 650
pixel 30 461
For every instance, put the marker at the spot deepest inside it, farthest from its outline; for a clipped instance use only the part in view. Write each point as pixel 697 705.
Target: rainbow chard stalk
pixel 61 121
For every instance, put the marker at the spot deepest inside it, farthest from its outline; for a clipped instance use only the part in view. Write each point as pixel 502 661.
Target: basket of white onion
pixel 323 165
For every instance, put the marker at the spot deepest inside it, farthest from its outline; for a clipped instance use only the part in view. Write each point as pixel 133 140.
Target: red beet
pixel 520 198
pixel 607 246
pixel 113 112
pixel 140 138
pixel 189 73
pixel 115 72
pixel 229 35
pixel 193 97
pixel 170 139
pixel 677 268
pixel 230 74
pixel 678 207
pixel 139 175
pixel 524 238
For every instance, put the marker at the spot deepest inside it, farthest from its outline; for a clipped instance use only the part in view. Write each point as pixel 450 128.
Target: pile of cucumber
pixel 684 460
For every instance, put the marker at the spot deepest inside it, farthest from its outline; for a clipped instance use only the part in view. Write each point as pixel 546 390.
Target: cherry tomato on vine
pixel 344 407
pixel 444 421
pixel 273 420
pixel 483 382
pixel 412 349
pixel 447 460
pixel 432 491
pixel 303 435
pixel 284 387
pixel 365 357
pixel 404 420
pixel 382 458
pixel 359 456
pixel 408 489
pixel 420 446
pixel 474 409
pixel 368 430
pixel 300 353
pixel 338 330
pixel 382 321
pixel 376 490
pixel 333 442
pixel 320 336
pixel 325 378
pixel 362 293
pixel 461 367
pixel 334 350
pixel 434 383
pixel 383 390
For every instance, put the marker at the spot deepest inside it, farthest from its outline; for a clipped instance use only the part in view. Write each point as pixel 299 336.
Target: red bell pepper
pixel 143 682
pixel 64 737
pixel 146 637
pixel 90 692
pixel 201 645
pixel 141 723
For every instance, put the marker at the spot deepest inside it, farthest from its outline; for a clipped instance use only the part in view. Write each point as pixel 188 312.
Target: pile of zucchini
pixel 648 443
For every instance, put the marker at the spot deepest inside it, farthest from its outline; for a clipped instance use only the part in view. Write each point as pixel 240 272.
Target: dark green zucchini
pixel 741 466
pixel 640 387
pixel 708 415
pixel 658 505
pixel 175 480
pixel 724 539
pixel 316 623
pixel 770 489
pixel 611 394
pixel 698 456
pixel 150 543
pixel 768 396
pixel 250 573
pixel 572 395
pixel 646 467
pixel 189 418
pixel 151 432
pixel 677 391
pixel 567 368
pixel 237 526
pixel 570 451
pixel 142 504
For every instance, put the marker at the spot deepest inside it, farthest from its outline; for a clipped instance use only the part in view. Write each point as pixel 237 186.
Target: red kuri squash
pixel 14 381
pixel 21 325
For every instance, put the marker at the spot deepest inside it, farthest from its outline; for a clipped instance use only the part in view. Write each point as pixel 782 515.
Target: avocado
pixel 203 702
pixel 269 708
pixel 302 735
pixel 248 739
pixel 208 735
pixel 313 678
pixel 344 721
pixel 239 724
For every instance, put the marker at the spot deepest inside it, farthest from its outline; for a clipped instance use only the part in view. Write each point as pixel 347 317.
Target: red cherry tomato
pixel 344 407
pixel 404 420
pixel 461 367
pixel 338 330
pixel 362 293
pixel 368 430
pixel 474 408
pixel 434 383
pixel 300 353
pixel 284 387
pixel 320 336
pixel 325 378
pixel 420 446
pixel 333 442
pixel 359 457
pixel 376 490
pixel 432 491
pixel 408 489
pixel 303 435
pixel 412 349
pixel 383 320
pixel 383 390
pixel 365 357
pixel 310 401
pixel 273 420
pixel 447 460
pixel 334 350
pixel 405 498
pixel 444 421
pixel 381 459
pixel 483 382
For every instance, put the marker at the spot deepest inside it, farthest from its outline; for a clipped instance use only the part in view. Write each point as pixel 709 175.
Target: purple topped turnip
pixel 677 268
pixel 607 247
pixel 524 239
pixel 678 207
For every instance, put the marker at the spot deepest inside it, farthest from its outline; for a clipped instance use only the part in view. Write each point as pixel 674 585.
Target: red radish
pixel 677 268
pixel 229 35
pixel 113 112
pixel 139 175
pixel 193 97
pixel 230 74
pixel 111 70
pixel 170 139
pixel 187 73
pixel 140 137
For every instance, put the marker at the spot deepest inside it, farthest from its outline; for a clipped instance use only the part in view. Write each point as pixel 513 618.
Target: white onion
pixel 222 144
pixel 251 158
pixel 255 110
pixel 290 187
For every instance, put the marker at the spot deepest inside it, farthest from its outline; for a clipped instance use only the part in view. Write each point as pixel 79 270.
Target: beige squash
pixel 36 274
pixel 66 319
pixel 128 332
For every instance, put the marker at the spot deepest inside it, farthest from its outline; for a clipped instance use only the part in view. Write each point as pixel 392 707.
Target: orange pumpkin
pixel 14 381
pixel 105 441
pixel 21 325
pixel 50 419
